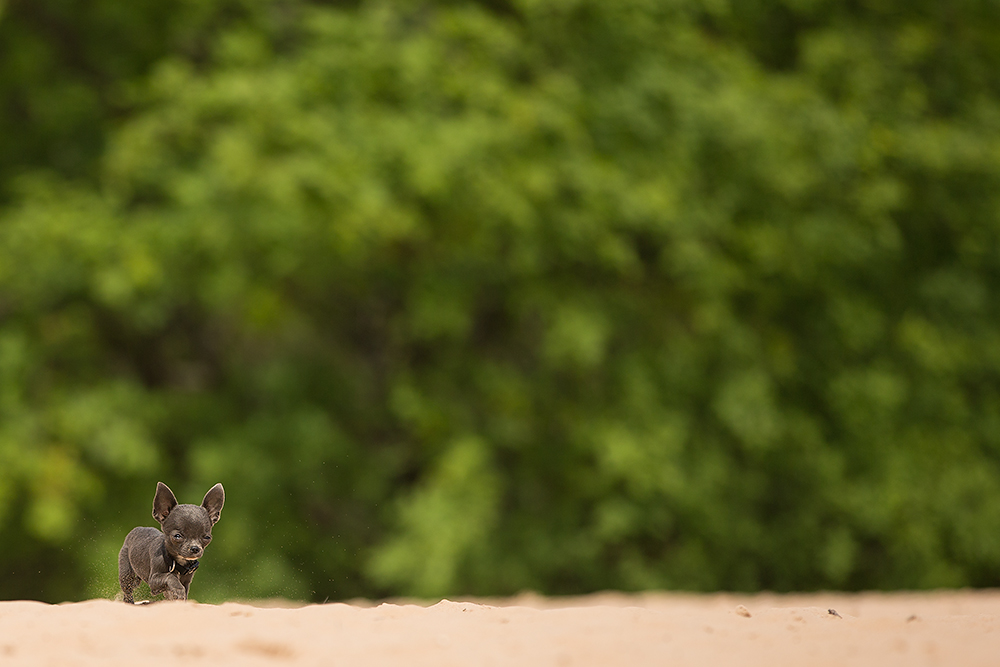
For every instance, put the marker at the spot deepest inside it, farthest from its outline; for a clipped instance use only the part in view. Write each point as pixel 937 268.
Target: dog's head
pixel 187 529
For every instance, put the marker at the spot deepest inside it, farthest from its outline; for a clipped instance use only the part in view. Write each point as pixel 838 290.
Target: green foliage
pixel 474 297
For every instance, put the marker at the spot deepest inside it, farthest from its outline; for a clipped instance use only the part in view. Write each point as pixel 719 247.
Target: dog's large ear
pixel 213 502
pixel 163 502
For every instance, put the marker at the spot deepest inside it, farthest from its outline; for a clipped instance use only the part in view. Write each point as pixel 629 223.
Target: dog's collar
pixel 179 568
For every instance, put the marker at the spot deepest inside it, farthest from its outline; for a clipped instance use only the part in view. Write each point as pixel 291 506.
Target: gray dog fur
pixel 166 559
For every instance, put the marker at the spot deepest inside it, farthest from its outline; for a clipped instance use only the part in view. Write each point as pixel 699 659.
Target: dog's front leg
pixel 169 584
pixel 185 580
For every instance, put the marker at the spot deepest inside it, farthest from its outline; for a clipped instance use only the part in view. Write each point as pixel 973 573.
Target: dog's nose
pixel 194 548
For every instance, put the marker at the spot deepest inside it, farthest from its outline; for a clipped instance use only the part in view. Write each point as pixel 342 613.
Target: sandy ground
pixel 913 629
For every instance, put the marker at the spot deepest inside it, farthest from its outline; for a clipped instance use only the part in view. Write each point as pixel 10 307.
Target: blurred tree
pixel 472 297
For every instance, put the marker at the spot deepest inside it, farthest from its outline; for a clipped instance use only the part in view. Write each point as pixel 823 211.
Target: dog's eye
pixel 177 536
pixel 207 538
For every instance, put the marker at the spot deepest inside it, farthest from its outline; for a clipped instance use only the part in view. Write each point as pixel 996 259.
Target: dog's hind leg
pixel 127 577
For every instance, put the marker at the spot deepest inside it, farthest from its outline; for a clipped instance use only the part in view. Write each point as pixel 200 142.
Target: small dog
pixel 167 560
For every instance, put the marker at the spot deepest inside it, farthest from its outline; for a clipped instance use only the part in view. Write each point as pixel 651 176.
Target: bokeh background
pixel 467 297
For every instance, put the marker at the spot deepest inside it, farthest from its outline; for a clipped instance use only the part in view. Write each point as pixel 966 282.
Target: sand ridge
pixel 941 628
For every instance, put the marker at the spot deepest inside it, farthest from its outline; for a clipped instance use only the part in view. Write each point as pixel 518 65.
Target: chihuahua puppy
pixel 166 559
